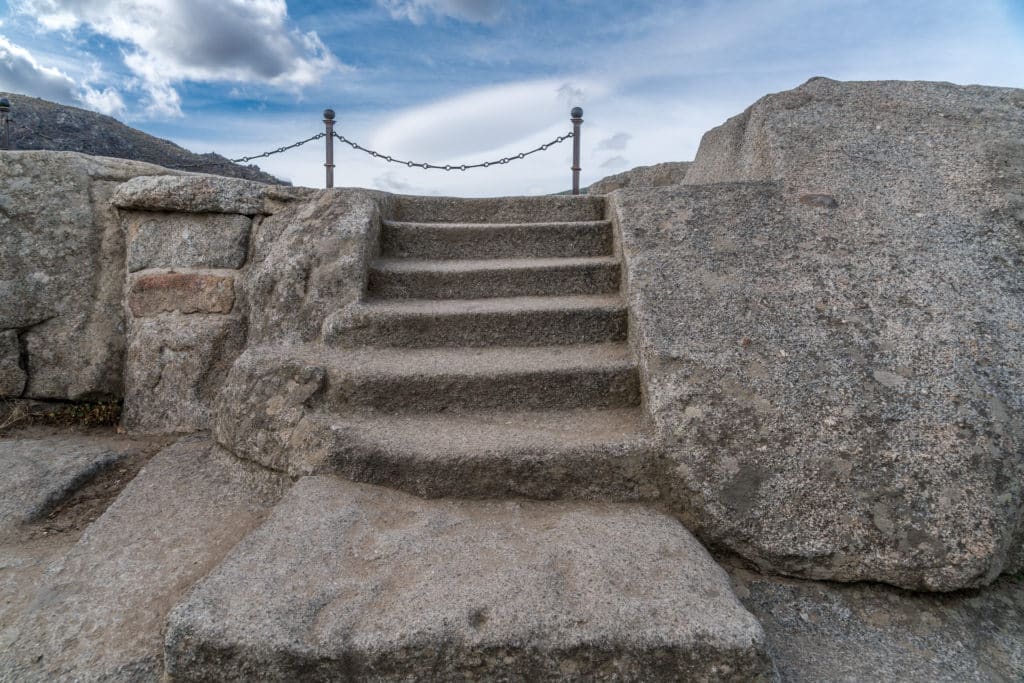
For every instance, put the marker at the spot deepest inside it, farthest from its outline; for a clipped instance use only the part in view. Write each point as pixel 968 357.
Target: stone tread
pixel 490 278
pixel 497 209
pixel 495 240
pixel 439 379
pixel 353 582
pixel 407 265
pixel 555 454
pixel 514 321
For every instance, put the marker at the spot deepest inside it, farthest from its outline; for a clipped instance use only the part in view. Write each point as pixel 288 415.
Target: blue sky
pixel 452 81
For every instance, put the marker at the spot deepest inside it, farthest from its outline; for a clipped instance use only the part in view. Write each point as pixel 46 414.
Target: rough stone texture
pixel 495 210
pixel 351 581
pixel 204 194
pixel 62 269
pixel 309 263
pixel 155 293
pixel 821 631
pixel 40 473
pixel 175 367
pixel 658 175
pixel 99 613
pixel 192 194
pixel 840 387
pixel 12 375
pixel 169 240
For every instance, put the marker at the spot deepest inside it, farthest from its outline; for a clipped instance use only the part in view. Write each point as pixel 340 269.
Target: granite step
pixel 552 208
pixel 354 582
pixel 462 379
pixel 511 321
pixel 604 454
pixel 501 240
pixel 474 279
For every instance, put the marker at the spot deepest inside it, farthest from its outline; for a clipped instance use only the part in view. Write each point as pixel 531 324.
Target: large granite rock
pixel 353 582
pixel 98 614
pixel 62 264
pixel 834 354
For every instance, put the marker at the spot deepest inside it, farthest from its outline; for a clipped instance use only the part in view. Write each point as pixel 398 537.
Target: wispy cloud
pixel 417 11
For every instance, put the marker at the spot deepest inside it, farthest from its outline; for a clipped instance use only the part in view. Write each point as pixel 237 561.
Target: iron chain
pixel 452 167
pixel 245 160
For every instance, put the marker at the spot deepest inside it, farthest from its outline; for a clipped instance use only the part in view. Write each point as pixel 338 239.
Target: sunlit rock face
pixel 829 317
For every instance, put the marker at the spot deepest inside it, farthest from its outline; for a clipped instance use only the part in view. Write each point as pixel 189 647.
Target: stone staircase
pixel 487 368
pixel 469 373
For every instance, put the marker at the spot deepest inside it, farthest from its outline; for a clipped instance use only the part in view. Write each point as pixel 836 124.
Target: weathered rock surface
pixel 12 375
pixel 98 614
pixel 176 365
pixel 40 473
pixel 152 293
pixel 169 240
pixel 309 262
pixel 351 581
pixel 62 263
pixel 658 175
pixel 834 357
pixel 821 631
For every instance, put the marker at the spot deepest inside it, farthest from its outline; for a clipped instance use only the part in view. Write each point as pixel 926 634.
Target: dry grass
pixel 14 414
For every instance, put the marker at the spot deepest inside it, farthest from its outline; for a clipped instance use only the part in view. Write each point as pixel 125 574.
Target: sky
pixel 466 81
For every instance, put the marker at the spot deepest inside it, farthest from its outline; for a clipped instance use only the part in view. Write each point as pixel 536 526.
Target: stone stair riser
pixel 543 240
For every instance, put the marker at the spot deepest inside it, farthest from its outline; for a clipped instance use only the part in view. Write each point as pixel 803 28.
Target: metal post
pixel 577 121
pixel 5 122
pixel 329 165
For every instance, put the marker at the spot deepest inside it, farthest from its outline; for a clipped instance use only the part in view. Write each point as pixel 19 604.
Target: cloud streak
pixel 417 11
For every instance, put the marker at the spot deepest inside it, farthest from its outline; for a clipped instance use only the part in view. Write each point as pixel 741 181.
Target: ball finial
pixel 577 112
pixel 328 114
pixel 5 104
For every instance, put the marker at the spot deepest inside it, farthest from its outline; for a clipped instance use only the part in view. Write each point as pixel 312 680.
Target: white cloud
pixel 615 142
pixel 171 41
pixel 416 11
pixel 21 72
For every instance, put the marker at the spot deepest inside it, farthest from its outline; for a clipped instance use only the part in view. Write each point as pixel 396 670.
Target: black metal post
pixel 329 164
pixel 5 123
pixel 577 121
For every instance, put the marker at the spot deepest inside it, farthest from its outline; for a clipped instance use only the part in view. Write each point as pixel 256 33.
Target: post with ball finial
pixel 5 123
pixel 329 164
pixel 577 121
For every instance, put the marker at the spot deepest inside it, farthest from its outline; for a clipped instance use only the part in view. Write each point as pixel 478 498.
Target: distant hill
pixel 41 124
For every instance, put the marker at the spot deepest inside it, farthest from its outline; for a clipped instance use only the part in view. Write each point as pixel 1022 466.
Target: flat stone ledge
pixel 40 473
pixel 176 240
pixel 98 614
pixel 358 582
pixel 155 293
pixel 204 194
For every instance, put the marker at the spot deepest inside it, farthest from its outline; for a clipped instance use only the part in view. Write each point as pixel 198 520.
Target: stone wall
pixel 62 264
pixel 202 252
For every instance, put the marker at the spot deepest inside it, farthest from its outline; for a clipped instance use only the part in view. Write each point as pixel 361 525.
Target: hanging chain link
pixel 300 143
pixel 453 167
pixel 385 157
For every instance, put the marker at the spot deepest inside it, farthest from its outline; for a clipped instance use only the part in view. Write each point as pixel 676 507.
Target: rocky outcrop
pixel 62 265
pixel 38 124
pixel 658 175
pixel 832 348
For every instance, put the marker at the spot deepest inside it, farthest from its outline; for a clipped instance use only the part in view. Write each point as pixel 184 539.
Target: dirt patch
pixel 20 413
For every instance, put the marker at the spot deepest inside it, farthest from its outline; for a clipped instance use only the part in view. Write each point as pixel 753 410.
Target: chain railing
pixel 576 116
